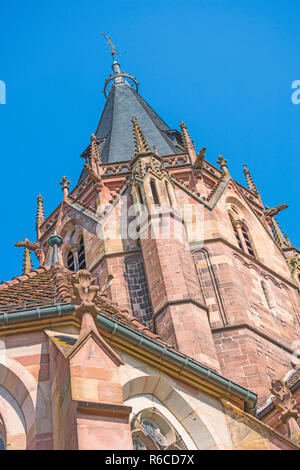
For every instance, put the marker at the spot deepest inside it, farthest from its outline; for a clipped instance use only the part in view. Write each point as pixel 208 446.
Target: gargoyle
pixel 102 190
pixel 199 161
pixel 274 211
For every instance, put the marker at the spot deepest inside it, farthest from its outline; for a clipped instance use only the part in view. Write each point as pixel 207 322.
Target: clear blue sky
pixel 223 67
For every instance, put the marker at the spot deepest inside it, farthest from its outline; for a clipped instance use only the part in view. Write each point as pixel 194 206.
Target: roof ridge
pixel 62 283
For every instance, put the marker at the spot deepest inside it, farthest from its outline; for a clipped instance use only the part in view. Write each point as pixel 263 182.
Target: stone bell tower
pixel 179 314
pixel 225 295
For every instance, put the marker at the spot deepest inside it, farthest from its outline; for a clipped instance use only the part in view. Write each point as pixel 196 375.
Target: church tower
pixel 179 267
pixel 225 294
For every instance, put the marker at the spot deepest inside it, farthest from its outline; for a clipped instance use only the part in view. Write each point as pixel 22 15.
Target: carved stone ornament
pixel 284 400
pixel 85 292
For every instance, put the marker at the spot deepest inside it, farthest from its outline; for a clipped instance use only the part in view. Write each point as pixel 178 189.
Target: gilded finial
pixel 113 50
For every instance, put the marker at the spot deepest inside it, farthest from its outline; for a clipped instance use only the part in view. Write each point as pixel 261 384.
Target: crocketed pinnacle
pixel 249 180
pixel 27 265
pixel 279 237
pixel 95 157
pixel 188 143
pixel 140 143
pixel 40 215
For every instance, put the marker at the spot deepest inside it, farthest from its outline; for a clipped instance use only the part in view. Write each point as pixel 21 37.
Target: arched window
pixel 151 431
pixel 70 261
pixel 245 232
pixel 81 255
pixel 236 233
pixel 154 192
pixel 242 235
pixel 76 257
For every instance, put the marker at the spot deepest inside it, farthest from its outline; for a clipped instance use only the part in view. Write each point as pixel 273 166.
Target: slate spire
pixel 114 132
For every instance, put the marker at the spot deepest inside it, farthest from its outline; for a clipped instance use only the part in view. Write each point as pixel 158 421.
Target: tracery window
pixel 245 232
pixel 151 431
pixel 242 235
pixel 154 192
pixel 140 195
pixel 236 233
pixel 76 257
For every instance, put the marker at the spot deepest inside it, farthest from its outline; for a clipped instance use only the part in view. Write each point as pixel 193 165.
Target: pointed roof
pixel 115 128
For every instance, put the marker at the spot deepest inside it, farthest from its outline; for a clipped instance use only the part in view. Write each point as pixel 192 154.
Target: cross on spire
pixel 113 50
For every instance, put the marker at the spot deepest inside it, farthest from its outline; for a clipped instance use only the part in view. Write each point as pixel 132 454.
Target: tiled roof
pixel 49 285
pixel 34 287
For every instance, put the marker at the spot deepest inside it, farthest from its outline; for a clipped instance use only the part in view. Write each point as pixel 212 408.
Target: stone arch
pixel 22 386
pixel 198 424
pixel 72 233
pixel 238 212
pixel 237 208
pixel 12 425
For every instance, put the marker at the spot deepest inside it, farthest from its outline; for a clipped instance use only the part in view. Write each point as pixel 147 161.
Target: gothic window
pixel 242 236
pixel 151 431
pixel 81 255
pixel 140 195
pixel 74 263
pixel 245 232
pixel 70 261
pixel 154 192
pixel 236 234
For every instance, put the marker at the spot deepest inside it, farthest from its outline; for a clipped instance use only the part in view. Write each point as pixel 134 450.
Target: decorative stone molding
pixel 85 292
pixel 286 404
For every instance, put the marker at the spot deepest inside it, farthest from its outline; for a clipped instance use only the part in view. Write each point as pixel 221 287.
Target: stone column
pixel 75 249
pixel 238 225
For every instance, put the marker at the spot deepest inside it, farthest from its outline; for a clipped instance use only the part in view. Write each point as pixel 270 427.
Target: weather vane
pixel 112 47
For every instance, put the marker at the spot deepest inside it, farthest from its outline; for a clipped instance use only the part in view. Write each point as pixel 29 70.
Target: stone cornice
pixel 190 300
pixel 254 330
